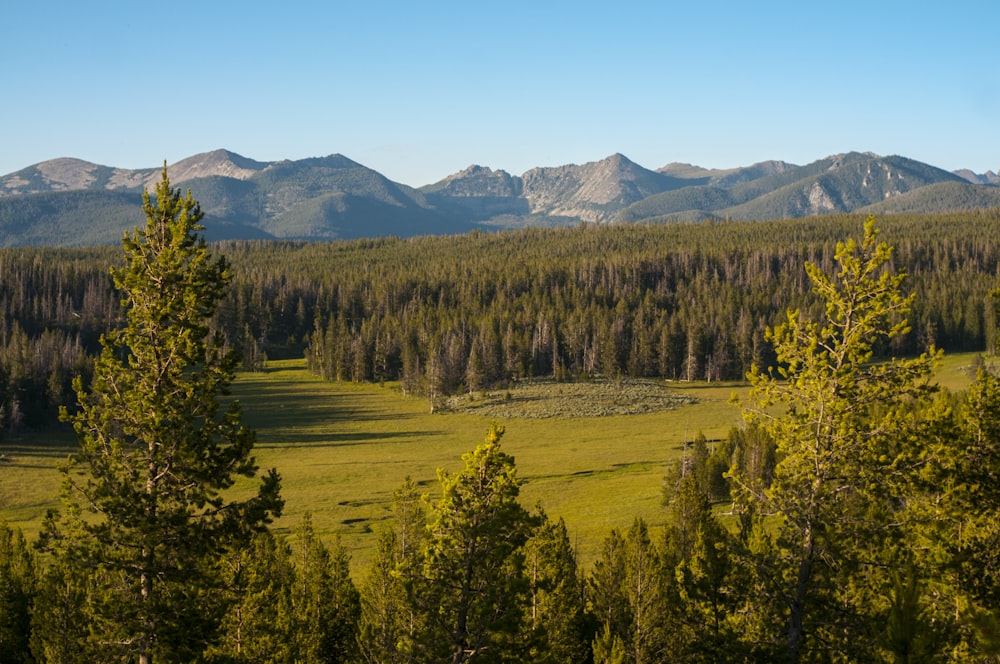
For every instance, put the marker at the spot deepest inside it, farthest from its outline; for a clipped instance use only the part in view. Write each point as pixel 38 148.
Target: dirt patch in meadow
pixel 544 397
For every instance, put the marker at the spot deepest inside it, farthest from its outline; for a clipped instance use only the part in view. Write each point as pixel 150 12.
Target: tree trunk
pixel 798 606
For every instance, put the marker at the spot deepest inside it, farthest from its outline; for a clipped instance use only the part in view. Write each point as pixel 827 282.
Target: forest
pixel 442 314
pixel 851 518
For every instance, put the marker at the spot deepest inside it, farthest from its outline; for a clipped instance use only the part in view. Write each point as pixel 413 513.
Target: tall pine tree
pixel 848 445
pixel 473 584
pixel 145 505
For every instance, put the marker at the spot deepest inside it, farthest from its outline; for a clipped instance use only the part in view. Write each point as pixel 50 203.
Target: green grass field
pixel 342 449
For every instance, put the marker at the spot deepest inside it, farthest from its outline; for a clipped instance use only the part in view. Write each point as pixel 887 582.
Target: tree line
pixel 444 314
pixel 852 518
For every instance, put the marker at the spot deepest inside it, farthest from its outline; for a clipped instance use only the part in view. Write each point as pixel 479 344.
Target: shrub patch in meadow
pixel 545 397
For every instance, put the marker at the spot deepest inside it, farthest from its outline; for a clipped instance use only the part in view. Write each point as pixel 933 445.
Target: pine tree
pixel 627 597
pixel 383 605
pixel 17 594
pixel 846 439
pixel 554 620
pixel 144 496
pixel 325 604
pixel 391 618
pixel 971 534
pixel 607 603
pixel 965 534
pixel 259 626
pixel 699 564
pixel 473 583
pixel 61 627
pixel 644 590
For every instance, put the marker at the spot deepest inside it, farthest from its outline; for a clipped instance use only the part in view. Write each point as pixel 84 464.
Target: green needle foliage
pixel 473 583
pixel 847 446
pixel 145 512
pixel 17 590
pixel 554 622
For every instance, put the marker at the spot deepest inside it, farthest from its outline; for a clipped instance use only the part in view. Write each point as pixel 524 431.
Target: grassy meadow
pixel 343 448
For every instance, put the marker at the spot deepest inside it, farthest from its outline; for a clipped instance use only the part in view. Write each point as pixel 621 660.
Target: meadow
pixel 343 448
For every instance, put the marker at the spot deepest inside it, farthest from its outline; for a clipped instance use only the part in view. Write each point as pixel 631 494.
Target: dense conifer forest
pixel 445 314
pixel 852 518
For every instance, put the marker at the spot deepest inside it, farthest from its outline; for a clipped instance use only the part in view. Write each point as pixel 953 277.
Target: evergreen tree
pixel 17 594
pixel 628 598
pixel 325 604
pixel 259 625
pixel 960 507
pixel 971 534
pixel 144 496
pixel 645 593
pixel 390 616
pixel 609 648
pixel 607 603
pixel 62 627
pixel 473 584
pixel 554 620
pixel 699 568
pixel 383 606
pixel 847 444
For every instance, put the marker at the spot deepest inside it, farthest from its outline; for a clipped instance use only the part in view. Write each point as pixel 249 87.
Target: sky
pixel 421 90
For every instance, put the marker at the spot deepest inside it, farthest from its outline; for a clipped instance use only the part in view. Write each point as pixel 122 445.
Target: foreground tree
pixel 967 492
pixel 17 594
pixel 554 627
pixel 628 599
pixel 391 618
pixel 847 441
pixel 145 511
pixel 473 585
pixel 325 604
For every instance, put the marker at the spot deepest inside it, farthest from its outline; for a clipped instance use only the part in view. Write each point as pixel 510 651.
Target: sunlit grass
pixel 342 449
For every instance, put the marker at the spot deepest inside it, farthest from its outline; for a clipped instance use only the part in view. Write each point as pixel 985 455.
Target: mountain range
pixel 70 202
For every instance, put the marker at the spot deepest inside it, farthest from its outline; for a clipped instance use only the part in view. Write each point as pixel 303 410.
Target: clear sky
pixel 420 90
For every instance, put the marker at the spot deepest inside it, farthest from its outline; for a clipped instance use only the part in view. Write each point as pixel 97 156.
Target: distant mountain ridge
pixel 64 202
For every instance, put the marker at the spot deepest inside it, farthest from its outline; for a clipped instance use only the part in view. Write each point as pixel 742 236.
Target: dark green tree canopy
pixel 145 495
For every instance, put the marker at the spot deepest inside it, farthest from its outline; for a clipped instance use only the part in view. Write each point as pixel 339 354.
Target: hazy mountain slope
pixel 285 184
pixel 989 177
pixel 73 202
pixel 478 194
pixel 89 217
pixel 71 175
pixel 844 184
pixel 938 197
pixel 593 190
pixel 840 183
pixel 685 204
pixel 75 174
pixel 334 197
pixel 68 218
pixel 348 216
pixel 695 175
pixel 221 163
pixel 228 199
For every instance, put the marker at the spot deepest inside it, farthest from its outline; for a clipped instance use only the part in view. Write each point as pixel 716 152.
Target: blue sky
pixel 418 91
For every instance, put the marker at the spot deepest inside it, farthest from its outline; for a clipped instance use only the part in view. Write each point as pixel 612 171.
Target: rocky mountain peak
pixel 221 163
pixel 333 196
pixel 989 177
pixel 477 181
pixel 592 189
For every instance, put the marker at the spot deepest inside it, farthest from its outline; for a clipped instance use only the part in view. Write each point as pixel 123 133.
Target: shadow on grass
pixel 55 442
pixel 299 439
pixel 613 469
pixel 277 399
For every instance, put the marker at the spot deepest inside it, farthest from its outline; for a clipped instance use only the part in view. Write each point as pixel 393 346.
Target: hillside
pixel 71 202
pixel 837 184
